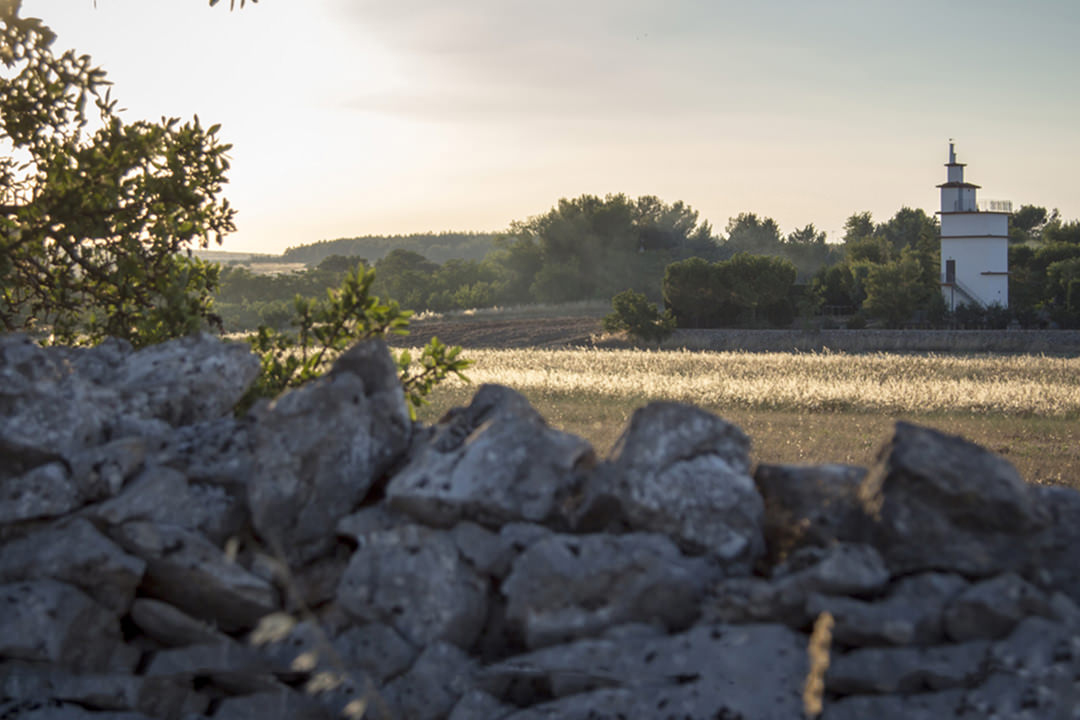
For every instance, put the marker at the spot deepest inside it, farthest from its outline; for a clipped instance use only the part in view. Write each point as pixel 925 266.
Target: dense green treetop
pixel 94 212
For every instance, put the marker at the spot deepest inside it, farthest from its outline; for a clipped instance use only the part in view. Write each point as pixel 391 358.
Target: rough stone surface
pixel 911 614
pixel 77 554
pixel 807 505
pixel 414 580
pixel 48 621
pixel 493 462
pixel 160 558
pixel 842 569
pixel 185 381
pixel 567 587
pixel 163 495
pixel 186 570
pixel 171 627
pixel 684 472
pixel 752 671
pixel 943 503
pixel 906 669
pixel 991 609
pixel 320 448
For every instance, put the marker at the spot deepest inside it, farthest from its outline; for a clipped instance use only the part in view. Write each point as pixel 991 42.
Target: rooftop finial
pixel 952 152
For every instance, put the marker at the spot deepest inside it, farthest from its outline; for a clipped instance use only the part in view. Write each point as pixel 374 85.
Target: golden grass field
pixel 805 408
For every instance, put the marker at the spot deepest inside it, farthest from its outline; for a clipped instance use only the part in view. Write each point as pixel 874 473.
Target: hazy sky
pixel 355 117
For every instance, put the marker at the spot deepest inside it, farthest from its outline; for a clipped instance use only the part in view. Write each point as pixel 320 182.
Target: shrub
pixel 634 314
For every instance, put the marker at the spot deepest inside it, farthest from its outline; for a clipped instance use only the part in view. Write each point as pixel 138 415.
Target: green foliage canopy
pixel 93 222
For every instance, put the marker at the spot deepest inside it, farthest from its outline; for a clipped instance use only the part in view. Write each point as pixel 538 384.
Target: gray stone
pixel 156 697
pixel 376 649
pixel 570 586
pixel 752 671
pixel 431 687
pixel 187 380
pixel 493 462
pixel 943 503
pixel 236 668
pixel 163 495
pixel 170 626
pixel 906 669
pixel 1034 674
pixel 910 615
pixel 280 703
pixel 810 505
pixel 838 570
pixel 217 452
pixel 991 609
pixel 186 570
pixel 48 621
pixel 320 447
pixel 1053 563
pixel 369 519
pixel 55 710
pixel 46 491
pixel 413 579
pixel 101 471
pixel 683 472
pixel 77 554
pixel 919 706
pixel 46 411
pixel 478 705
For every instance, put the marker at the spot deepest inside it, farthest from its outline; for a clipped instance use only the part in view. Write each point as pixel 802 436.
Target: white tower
pixel 974 245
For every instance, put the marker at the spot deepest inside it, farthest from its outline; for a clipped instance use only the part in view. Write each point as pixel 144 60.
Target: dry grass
pixel 807 408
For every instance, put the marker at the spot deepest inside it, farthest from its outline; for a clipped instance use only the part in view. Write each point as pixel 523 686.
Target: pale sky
pixel 358 117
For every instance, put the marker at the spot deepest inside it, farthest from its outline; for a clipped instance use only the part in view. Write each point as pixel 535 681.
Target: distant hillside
pixel 438 247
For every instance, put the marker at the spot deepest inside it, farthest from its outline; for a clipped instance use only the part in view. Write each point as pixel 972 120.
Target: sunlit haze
pixel 358 117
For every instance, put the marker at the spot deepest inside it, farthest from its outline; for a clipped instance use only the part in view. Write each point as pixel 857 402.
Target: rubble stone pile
pixel 323 557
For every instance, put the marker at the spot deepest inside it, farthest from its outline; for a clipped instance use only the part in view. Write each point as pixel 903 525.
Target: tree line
pixel 750 275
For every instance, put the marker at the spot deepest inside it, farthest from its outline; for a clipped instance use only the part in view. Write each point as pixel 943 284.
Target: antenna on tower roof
pixel 952 153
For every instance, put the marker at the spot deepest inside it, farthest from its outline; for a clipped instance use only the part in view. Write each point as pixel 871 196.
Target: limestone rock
pixel 709 671
pixel 413 579
pixel 810 505
pixel 1033 674
pixel 566 587
pixel 838 570
pixel 943 503
pixel 163 495
pixel 172 627
pixel 431 687
pixel 917 706
pixel 48 621
pixel 319 448
pixel 991 609
pixel 217 452
pixel 1053 563
pixel 46 491
pixel 77 554
pixel 906 669
pixel 495 461
pixel 681 471
pixel 187 571
pixel 156 697
pixel 911 614
pixel 187 380
pixel 375 649
pixel 478 705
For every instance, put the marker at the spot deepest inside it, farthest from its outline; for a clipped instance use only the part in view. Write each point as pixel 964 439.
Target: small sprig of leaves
pixel 326 328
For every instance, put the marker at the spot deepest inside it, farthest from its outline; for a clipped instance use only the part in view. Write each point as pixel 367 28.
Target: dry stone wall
pixel 324 557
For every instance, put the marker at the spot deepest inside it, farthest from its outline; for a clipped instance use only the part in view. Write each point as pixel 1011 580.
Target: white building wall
pixel 974 223
pixel 980 264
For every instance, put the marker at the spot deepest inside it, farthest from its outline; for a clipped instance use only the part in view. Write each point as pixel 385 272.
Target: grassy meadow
pixel 805 408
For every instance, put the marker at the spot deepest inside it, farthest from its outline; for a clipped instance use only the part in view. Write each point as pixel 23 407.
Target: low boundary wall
pixel 1048 342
